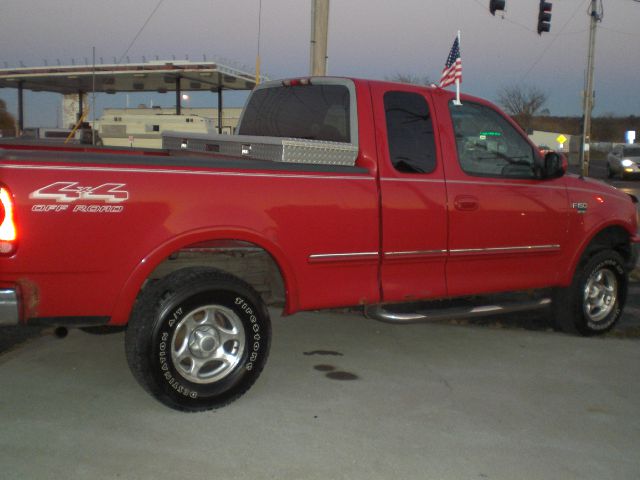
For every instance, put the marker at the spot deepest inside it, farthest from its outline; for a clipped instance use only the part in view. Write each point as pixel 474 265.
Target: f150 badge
pixel 67 193
pixel 581 207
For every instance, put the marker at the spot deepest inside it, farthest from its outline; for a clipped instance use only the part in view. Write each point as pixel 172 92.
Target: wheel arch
pixel 615 237
pixel 218 249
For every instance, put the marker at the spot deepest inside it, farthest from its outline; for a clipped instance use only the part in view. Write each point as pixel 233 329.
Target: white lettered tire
pixel 198 339
pixel 593 303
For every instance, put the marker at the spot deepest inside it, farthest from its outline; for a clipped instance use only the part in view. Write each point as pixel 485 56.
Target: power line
pixel 483 6
pixel 528 29
pixel 513 22
pixel 619 31
pixel 140 31
pixel 555 37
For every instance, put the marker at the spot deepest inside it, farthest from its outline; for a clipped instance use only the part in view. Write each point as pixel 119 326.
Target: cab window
pixel 409 132
pixel 312 112
pixel 488 145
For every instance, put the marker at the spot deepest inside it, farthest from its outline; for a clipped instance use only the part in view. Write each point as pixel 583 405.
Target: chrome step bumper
pixel 385 313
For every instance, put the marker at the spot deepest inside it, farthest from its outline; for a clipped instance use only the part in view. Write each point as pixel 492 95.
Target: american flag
pixel 453 67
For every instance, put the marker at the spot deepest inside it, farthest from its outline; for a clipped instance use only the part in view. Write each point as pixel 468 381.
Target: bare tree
pixel 522 103
pixel 409 78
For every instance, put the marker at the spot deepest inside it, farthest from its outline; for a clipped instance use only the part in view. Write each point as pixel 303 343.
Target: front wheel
pixel 198 339
pixel 593 303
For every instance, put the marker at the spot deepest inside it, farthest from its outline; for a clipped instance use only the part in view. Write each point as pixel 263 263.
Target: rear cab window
pixel 323 110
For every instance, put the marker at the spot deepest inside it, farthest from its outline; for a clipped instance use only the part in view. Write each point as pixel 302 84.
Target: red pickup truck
pixel 335 192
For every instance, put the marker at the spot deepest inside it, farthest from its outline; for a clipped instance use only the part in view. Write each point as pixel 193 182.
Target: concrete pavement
pixel 341 398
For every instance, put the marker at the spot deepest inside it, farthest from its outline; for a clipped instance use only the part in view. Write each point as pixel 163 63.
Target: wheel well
pixel 244 260
pixel 614 238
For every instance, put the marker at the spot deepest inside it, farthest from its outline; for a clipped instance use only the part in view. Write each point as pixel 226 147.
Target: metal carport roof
pixel 154 76
pixel 160 76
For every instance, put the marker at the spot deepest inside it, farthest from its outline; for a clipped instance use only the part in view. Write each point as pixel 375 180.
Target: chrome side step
pixel 385 313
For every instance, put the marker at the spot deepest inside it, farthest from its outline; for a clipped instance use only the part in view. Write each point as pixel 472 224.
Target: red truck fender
pixel 147 265
pixel 608 234
pixel 597 229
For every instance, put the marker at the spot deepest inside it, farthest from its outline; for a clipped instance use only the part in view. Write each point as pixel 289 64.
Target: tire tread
pixel 141 326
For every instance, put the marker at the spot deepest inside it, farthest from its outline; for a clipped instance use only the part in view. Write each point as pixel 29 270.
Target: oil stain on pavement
pixel 331 372
pixel 334 374
pixel 324 353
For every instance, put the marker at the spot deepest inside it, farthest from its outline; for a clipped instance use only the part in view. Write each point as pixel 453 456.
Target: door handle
pixel 467 203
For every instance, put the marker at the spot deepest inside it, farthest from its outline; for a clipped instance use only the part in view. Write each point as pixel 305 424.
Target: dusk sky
pixel 367 38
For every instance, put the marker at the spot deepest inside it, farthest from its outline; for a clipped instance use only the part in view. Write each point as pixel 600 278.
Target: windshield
pixel 633 151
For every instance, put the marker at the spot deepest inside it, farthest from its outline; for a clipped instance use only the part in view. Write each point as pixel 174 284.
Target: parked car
pixel 624 160
pixel 544 149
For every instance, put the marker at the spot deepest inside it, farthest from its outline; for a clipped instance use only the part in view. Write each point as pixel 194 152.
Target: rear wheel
pixel 198 339
pixel 593 303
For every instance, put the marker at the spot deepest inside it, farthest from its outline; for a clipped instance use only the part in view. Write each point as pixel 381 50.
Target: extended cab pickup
pixel 334 193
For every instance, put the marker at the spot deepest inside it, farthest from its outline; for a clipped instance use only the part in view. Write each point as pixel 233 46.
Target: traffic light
pixel 496 5
pixel 544 17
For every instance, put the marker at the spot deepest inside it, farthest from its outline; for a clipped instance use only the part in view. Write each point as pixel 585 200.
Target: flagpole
pixel 457 101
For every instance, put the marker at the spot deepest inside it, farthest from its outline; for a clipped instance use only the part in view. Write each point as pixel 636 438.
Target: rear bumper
pixel 13 299
pixel 9 307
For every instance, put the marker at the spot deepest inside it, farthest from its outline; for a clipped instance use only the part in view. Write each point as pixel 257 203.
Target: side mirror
pixel 554 165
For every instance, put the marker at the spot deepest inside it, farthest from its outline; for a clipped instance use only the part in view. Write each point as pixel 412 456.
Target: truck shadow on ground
pixel 540 321
pixel 627 327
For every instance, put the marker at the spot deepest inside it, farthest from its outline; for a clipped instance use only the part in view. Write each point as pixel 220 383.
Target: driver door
pixel 507 227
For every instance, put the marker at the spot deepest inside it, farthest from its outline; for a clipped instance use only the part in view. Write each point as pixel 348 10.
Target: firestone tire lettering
pixel 159 319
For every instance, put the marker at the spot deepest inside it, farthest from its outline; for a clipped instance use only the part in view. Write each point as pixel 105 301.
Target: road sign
pixel 561 138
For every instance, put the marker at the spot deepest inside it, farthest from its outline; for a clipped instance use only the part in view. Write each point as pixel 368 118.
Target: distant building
pixel 549 140
pixel 143 127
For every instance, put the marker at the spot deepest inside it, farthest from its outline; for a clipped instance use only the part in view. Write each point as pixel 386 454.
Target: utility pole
pixel 258 54
pixel 93 100
pixel 319 34
pixel 588 94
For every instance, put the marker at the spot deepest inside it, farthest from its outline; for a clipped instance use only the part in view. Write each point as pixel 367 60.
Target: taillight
pixel 8 230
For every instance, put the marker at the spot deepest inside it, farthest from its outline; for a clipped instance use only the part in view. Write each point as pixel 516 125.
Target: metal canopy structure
pixel 159 76
pixel 156 76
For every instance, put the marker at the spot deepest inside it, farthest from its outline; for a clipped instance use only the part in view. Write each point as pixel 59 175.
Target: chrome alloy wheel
pixel 600 294
pixel 208 344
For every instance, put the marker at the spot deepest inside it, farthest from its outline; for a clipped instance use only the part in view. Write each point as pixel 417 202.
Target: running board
pixel 384 313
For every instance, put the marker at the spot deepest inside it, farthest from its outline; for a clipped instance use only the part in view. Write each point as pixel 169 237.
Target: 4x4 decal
pixel 68 192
